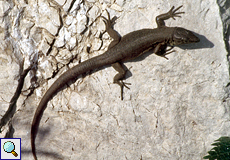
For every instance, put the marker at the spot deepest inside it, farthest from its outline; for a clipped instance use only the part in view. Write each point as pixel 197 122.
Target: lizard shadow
pixel 204 43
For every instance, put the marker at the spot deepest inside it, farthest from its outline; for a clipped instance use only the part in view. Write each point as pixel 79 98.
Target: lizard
pixel 120 50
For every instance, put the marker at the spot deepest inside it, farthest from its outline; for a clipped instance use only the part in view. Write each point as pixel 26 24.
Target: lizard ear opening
pixel 183 36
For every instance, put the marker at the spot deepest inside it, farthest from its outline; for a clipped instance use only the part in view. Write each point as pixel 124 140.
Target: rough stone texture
pixel 174 109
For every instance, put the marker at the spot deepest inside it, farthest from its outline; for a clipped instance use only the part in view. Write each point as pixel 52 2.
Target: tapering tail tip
pixel 33 135
pixel 34 151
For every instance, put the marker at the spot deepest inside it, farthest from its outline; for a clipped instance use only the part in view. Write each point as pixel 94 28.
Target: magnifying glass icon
pixel 9 147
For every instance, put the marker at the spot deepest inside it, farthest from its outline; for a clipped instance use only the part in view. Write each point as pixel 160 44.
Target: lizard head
pixel 183 36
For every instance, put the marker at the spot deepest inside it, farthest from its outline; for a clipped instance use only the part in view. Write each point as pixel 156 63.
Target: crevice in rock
pixel 12 107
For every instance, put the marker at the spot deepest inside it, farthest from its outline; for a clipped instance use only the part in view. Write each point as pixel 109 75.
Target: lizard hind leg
pixel 119 77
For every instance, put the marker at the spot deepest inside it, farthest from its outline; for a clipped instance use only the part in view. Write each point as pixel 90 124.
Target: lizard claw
pixel 166 53
pixel 172 12
pixel 122 85
pixel 109 22
pixel 161 50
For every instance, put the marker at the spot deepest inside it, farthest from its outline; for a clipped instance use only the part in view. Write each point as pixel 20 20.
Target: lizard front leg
pixel 170 14
pixel 109 29
pixel 161 50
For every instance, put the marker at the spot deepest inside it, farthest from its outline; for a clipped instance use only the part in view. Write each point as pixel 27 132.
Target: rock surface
pixel 174 109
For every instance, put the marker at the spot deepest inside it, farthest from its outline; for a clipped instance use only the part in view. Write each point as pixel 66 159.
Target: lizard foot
pixel 172 12
pixel 168 51
pixel 122 85
pixel 109 22
pixel 164 55
pixel 162 51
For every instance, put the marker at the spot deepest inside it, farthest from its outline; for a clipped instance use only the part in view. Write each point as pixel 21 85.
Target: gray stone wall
pixel 174 109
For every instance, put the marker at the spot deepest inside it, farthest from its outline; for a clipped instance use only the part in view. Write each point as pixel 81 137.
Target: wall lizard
pixel 121 49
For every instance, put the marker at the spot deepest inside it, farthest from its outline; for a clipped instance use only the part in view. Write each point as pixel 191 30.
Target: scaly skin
pixel 120 50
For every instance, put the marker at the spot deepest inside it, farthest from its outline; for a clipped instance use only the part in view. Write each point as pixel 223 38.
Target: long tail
pixel 59 83
pixel 72 73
